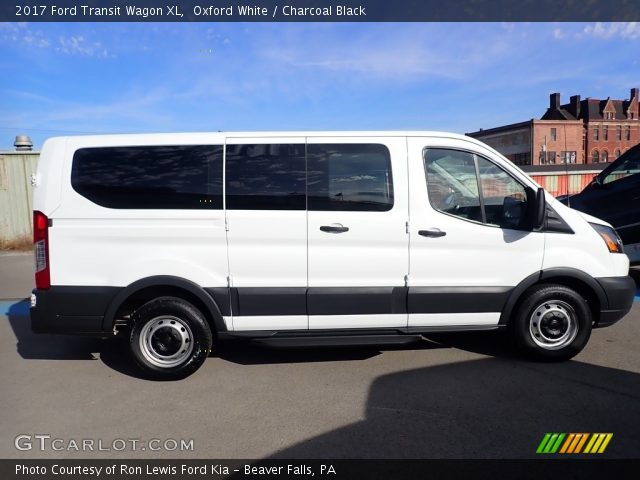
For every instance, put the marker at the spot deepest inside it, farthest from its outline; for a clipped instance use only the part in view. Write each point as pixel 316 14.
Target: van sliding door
pixel 358 243
pixel 267 232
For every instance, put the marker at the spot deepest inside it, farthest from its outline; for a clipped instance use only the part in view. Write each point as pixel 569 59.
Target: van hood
pixel 592 219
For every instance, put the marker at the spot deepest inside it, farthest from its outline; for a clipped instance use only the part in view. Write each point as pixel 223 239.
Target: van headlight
pixel 610 237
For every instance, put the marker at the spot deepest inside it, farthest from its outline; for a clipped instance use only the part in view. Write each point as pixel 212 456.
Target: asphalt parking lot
pixel 452 396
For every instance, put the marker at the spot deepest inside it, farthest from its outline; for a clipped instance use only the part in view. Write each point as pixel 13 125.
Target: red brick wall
pixel 612 143
pixel 568 138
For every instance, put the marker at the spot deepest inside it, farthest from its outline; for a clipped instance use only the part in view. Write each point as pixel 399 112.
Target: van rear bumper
pixel 620 292
pixel 71 310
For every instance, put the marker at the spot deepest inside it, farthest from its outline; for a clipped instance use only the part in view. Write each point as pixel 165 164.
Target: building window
pixel 521 158
pixel 596 133
pixel 568 157
pixel 627 133
pixel 551 157
pixel 617 153
pixel 547 157
pixel 605 133
pixel 618 133
pixel 595 157
pixel 553 134
pixel 604 157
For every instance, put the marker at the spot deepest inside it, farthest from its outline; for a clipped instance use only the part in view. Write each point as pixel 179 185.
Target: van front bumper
pixel 620 292
pixel 70 310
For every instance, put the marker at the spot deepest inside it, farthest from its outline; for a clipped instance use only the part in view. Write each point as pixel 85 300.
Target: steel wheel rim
pixel 166 341
pixel 553 325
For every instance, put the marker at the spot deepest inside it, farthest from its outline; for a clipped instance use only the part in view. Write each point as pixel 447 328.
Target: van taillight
pixel 41 249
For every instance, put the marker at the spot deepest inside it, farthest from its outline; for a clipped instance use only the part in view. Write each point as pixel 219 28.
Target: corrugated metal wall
pixel 564 184
pixel 16 197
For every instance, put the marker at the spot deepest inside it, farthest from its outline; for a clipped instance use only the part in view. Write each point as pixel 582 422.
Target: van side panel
pixel 585 251
pixel 92 245
pixel 47 191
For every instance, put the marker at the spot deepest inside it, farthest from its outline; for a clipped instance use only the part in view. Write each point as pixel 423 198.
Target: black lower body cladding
pixel 84 310
pixel 620 292
pixel 71 309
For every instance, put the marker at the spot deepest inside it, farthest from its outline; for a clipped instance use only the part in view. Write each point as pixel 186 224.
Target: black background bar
pixel 364 10
pixel 553 467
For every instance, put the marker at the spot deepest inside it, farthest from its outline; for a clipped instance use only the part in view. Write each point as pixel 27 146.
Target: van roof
pixel 182 136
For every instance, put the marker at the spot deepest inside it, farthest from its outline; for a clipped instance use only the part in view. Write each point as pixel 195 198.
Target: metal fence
pixel 16 198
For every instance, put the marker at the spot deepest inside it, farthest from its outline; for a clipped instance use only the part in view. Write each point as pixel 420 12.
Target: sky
pixel 77 78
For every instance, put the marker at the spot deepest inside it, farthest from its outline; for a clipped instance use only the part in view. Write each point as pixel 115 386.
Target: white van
pixel 181 240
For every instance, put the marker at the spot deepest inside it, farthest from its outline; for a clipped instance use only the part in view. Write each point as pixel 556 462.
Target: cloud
pixel 22 33
pixel 628 30
pixel 387 52
pixel 77 45
pixel 558 34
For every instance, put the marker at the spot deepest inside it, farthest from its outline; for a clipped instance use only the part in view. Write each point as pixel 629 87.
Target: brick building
pixel 582 131
pixel 537 142
pixel 610 127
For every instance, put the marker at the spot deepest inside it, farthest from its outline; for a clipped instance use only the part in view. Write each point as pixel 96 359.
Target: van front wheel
pixel 170 338
pixel 553 323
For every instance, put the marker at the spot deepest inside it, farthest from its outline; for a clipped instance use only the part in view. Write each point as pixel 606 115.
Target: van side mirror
pixel 538 208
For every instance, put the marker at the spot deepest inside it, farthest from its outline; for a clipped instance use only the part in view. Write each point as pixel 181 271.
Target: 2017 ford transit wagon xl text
pixel 181 240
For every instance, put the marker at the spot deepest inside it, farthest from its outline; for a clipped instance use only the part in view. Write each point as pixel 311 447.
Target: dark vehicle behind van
pixel 614 196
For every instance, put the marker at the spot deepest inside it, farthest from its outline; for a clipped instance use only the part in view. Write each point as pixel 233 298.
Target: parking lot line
pixel 19 308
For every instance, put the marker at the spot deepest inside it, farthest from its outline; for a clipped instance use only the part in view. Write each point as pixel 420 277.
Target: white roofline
pixel 191 136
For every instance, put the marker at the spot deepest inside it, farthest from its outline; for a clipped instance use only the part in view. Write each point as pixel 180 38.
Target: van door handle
pixel 432 232
pixel 335 228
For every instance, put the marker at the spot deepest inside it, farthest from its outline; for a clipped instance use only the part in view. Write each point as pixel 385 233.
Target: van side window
pixel 504 198
pixel 265 177
pixel 453 187
pixel 349 177
pixel 452 183
pixel 145 177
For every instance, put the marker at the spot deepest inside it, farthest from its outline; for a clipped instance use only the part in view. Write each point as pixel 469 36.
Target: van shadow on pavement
pixel 486 408
pixel 492 407
pixel 114 354
pixel 113 351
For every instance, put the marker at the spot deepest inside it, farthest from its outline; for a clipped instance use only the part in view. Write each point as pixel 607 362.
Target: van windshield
pixel 629 165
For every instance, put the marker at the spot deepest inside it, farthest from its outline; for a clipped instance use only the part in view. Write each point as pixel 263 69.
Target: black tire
pixel 170 338
pixel 551 323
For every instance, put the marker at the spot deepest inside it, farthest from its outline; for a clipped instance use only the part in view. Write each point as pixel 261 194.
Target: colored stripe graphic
pixel 567 443
pixel 543 443
pixel 598 442
pixel 556 445
pixel 573 443
pixel 607 439
pixel 581 443
pixel 550 443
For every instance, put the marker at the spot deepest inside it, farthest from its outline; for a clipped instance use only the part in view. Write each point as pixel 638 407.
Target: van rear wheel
pixel 170 338
pixel 552 323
